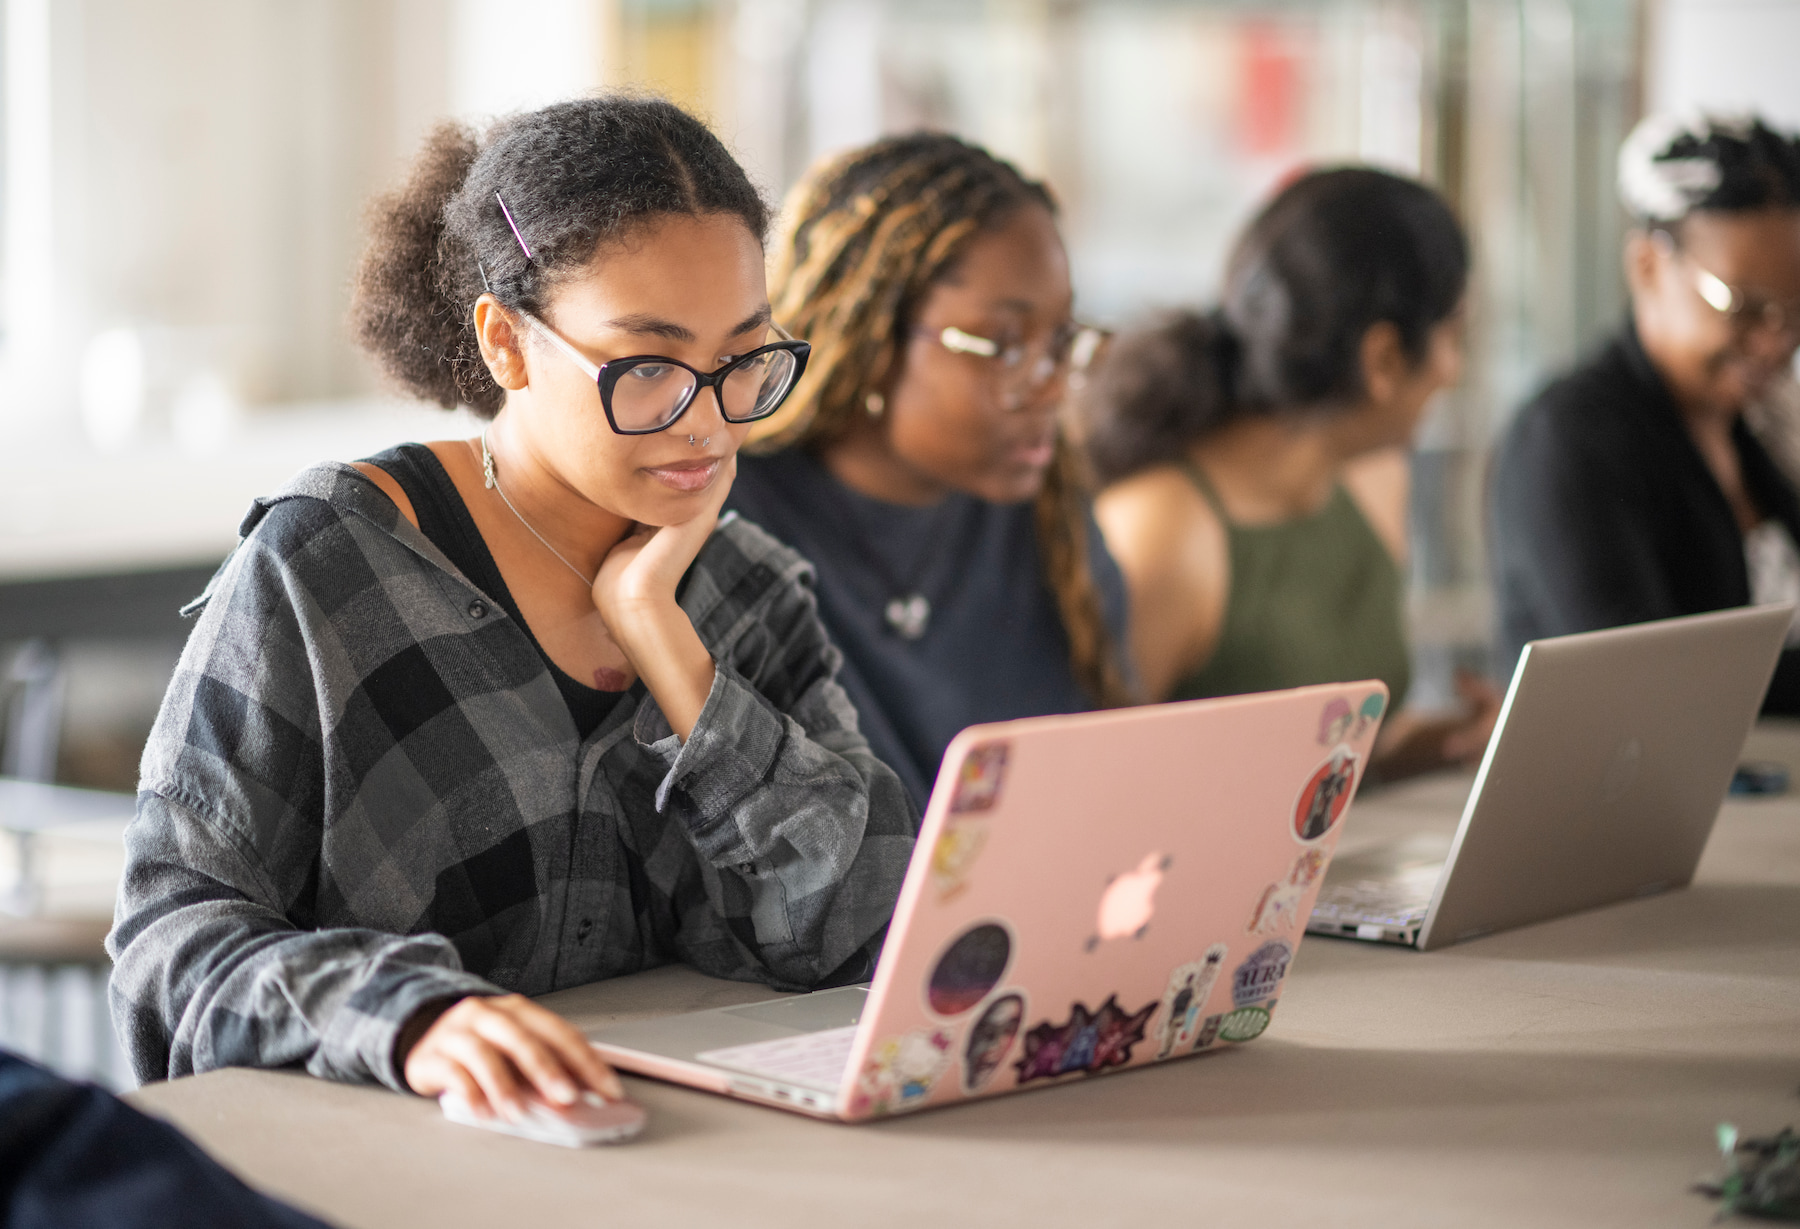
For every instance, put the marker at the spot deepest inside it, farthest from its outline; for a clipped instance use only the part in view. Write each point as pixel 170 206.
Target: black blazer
pixel 1604 513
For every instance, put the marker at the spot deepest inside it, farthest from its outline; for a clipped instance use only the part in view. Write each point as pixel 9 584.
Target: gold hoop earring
pixel 875 405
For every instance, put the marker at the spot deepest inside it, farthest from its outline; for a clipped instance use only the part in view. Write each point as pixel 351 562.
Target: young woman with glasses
pixel 1248 455
pixel 922 466
pixel 518 712
pixel 1634 487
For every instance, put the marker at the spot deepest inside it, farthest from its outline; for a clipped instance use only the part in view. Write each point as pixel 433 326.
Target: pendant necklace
pixel 492 480
pixel 908 612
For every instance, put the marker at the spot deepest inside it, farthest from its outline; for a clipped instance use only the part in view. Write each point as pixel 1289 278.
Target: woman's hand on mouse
pixel 496 1052
pixel 635 594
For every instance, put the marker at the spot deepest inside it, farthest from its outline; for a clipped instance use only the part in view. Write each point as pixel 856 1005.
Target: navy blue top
pixel 74 1154
pixel 994 648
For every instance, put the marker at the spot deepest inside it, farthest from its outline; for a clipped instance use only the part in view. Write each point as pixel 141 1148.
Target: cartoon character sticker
pixel 1335 722
pixel 967 969
pixel 1244 1023
pixel 1368 713
pixel 979 778
pixel 990 1038
pixel 1087 1041
pixel 978 781
pixel 1259 977
pixel 1278 908
pixel 900 1071
pixel 958 845
pixel 1184 1000
pixel 1325 795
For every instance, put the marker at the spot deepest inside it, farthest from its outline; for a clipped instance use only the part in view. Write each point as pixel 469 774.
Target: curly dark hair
pixel 1336 252
pixel 573 175
pixel 866 236
pixel 1670 168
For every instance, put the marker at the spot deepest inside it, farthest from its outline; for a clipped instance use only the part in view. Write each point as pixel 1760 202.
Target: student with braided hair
pixel 921 466
pixel 1633 488
pixel 485 718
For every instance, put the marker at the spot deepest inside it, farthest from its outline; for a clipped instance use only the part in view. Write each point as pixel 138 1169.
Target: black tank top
pixel 445 520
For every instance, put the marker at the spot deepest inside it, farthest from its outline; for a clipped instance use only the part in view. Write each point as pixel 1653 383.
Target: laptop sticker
pixel 1278 908
pixel 978 780
pixel 1087 1041
pixel 991 1038
pixel 900 1072
pixel 1259 977
pixel 1190 985
pixel 953 857
pixel 1209 1032
pixel 1325 795
pixel 1335 722
pixel 1129 900
pixel 1244 1023
pixel 1368 713
pixel 968 969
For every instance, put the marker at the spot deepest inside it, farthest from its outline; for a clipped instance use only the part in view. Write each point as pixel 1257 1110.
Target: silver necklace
pixel 908 612
pixel 493 482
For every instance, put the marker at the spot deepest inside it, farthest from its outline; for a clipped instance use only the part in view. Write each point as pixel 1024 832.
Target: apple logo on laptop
pixel 1129 900
pixel 1622 770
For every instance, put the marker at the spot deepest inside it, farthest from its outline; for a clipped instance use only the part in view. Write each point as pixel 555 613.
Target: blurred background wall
pixel 181 183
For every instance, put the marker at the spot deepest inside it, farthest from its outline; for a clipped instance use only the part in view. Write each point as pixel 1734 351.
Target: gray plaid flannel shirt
pixel 364 793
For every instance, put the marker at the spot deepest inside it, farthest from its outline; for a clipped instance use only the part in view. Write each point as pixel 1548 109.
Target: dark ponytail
pixel 1335 253
pixel 573 176
pixel 1158 388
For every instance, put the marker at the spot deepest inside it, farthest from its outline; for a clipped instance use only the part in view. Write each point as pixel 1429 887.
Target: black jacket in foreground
pixel 1604 513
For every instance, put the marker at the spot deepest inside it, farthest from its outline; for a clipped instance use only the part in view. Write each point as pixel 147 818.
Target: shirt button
pixel 584 929
pixel 478 609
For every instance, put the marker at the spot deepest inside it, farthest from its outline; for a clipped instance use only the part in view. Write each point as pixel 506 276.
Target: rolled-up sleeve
pixel 807 834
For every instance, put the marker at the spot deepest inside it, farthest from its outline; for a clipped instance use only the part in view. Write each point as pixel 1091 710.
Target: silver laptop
pixel 1611 756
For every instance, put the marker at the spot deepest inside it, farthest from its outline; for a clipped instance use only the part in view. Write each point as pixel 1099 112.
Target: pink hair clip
pixel 523 246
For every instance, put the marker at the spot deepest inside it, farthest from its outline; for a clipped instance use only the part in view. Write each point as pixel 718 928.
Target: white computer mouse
pixel 592 1120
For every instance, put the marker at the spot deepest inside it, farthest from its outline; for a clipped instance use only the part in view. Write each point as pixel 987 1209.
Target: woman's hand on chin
pixel 635 595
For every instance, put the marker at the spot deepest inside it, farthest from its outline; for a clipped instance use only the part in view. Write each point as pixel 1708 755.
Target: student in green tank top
pixel 1256 483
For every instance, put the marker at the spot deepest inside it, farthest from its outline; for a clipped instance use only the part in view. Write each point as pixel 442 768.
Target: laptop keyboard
pixel 814 1059
pixel 1375 902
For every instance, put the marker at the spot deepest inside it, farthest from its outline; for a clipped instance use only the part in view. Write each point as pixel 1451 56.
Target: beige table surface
pixel 1569 1073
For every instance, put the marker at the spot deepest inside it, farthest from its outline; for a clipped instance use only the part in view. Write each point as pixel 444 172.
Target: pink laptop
pixel 1089 893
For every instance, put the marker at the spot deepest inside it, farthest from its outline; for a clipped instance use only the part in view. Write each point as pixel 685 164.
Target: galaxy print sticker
pixel 901 1071
pixel 969 968
pixel 1086 1042
pixel 1259 977
pixel 1325 795
pixel 1190 985
pixel 979 778
pixel 991 1038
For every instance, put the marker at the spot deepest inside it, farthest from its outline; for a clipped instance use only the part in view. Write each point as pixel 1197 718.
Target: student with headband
pixel 482 718
pixel 922 466
pixel 1633 488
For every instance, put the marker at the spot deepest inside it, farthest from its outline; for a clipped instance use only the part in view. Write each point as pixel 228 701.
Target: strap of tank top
pixel 1204 485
